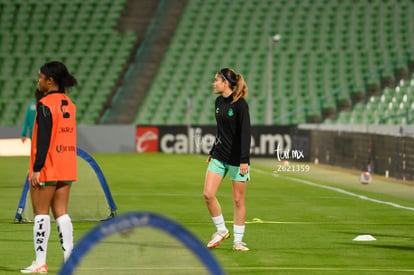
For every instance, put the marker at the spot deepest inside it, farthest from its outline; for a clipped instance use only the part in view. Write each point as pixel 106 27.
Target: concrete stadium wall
pixel 390 130
pixel 94 139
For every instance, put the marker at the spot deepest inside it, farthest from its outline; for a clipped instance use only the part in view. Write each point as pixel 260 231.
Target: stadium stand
pixel 393 106
pixel 333 57
pixel 83 36
pixel 163 16
pixel 322 64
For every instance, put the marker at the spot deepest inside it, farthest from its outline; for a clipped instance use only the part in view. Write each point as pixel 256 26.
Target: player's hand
pixel 244 168
pixel 35 179
pixel 23 139
pixel 208 159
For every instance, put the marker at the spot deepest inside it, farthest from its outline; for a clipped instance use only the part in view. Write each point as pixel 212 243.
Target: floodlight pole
pixel 269 112
pixel 269 104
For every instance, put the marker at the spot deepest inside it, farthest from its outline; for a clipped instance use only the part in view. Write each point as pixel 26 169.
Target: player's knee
pixel 238 202
pixel 208 196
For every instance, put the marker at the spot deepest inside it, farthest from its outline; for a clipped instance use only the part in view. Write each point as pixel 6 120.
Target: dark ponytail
pixel 60 74
pixel 70 81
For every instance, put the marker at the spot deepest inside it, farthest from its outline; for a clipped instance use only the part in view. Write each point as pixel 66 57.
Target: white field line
pixel 336 189
pixel 270 268
pixel 244 268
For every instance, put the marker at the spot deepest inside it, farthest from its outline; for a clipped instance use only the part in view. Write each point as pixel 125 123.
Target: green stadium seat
pixel 25 44
pixel 327 47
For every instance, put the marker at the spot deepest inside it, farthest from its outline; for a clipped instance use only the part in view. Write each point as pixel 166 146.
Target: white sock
pixel 238 232
pixel 219 223
pixel 41 232
pixel 65 228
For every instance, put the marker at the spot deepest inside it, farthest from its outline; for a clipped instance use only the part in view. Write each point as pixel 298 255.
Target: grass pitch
pixel 297 222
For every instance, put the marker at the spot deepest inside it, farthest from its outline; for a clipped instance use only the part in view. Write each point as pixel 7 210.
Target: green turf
pixel 294 225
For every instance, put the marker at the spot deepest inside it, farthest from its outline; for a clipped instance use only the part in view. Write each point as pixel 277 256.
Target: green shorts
pixel 221 169
pixel 49 183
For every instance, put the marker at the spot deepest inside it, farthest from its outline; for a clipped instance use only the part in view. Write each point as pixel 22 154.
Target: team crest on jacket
pixel 230 113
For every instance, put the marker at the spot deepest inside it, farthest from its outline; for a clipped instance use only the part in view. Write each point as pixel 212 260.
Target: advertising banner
pixel 283 142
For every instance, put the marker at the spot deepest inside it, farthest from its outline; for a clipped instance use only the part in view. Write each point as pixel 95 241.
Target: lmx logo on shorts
pixel 146 139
